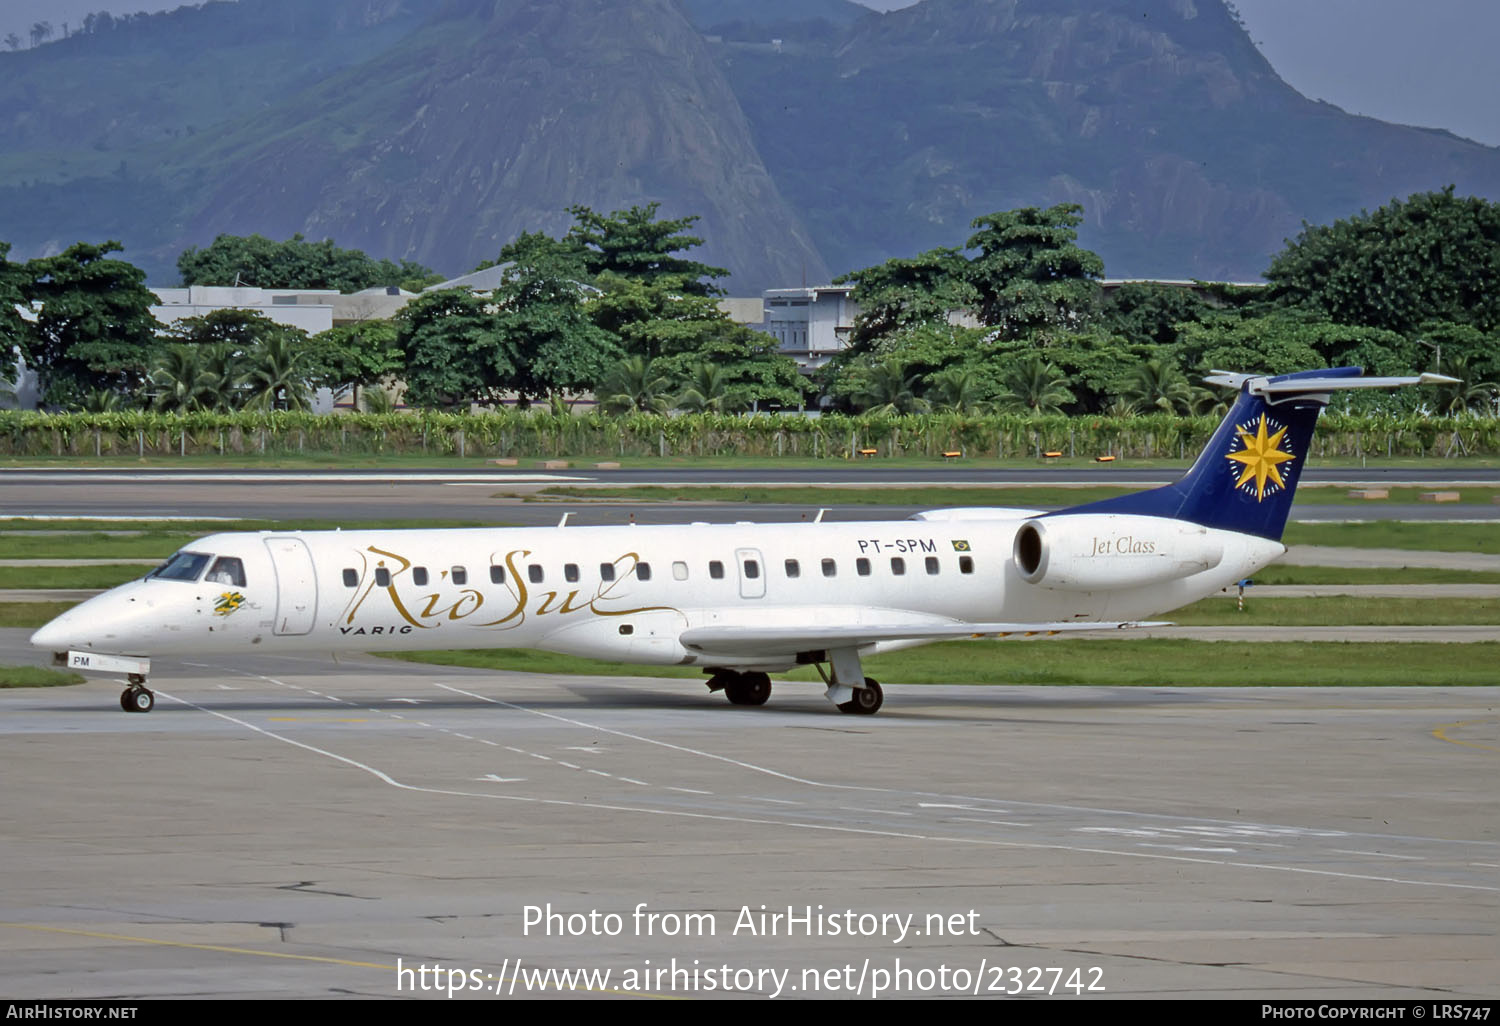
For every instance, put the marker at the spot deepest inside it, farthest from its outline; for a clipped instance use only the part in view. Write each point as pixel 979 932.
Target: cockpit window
pixel 227 570
pixel 184 566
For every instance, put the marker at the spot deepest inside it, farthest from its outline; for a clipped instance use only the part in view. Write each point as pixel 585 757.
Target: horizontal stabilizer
pixel 1293 384
pixel 758 641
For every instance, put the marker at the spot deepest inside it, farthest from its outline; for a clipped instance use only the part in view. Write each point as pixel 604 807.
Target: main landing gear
pixel 755 689
pixel 741 688
pixel 137 698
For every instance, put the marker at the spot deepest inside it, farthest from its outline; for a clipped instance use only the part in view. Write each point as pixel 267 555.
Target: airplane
pixel 742 601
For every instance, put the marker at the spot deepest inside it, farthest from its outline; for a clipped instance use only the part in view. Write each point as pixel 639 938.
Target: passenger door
pixel 296 586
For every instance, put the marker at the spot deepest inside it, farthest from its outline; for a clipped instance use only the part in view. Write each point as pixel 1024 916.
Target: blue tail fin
pixel 1244 480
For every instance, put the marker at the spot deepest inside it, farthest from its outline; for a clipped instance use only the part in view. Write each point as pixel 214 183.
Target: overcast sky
pixel 1417 62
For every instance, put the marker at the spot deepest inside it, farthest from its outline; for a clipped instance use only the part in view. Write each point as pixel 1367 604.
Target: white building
pixel 810 324
pixel 312 311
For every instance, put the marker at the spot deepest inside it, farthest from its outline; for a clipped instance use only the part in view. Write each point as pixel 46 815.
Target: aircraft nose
pixel 56 636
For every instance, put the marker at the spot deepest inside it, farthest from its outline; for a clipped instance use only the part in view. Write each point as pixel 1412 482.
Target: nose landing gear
pixel 137 698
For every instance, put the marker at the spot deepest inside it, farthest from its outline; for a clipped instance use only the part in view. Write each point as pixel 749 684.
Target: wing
pixel 749 642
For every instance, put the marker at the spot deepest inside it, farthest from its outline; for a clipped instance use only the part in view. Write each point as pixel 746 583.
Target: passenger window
pixel 716 570
pixel 643 571
pixel 793 568
pixel 351 577
pixel 830 568
pixel 534 571
pixel 932 564
pixel 419 576
pixel 227 570
pixel 606 571
pixel 679 571
pixel 570 573
pixel 752 569
pixel 382 577
pixel 966 564
pixel 459 575
pixel 497 574
pixel 862 566
pixel 898 566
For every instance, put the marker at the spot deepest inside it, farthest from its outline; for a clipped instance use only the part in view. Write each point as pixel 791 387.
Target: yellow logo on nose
pixel 228 603
pixel 1261 457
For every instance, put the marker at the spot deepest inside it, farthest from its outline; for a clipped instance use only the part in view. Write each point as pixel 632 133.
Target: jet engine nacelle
pixel 1096 552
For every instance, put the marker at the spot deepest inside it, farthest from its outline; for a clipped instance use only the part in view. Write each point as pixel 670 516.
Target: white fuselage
pixel 628 593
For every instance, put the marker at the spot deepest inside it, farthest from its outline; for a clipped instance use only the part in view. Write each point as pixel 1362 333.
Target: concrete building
pixel 810 324
pixel 312 311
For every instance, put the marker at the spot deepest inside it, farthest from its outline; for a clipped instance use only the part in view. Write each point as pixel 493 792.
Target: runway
pixel 290 827
pixel 500 498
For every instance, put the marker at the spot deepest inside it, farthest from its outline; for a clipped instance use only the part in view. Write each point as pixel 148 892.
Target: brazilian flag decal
pixel 960 545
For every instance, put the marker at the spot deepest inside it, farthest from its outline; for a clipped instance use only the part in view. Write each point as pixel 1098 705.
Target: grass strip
pixel 31 614
pixel 1335 611
pixel 1435 536
pixel 1278 573
pixel 33 577
pixel 36 677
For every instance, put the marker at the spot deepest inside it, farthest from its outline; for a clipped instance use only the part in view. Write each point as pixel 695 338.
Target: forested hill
pixel 437 130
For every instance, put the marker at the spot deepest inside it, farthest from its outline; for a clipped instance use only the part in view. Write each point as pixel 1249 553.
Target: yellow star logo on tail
pixel 1261 457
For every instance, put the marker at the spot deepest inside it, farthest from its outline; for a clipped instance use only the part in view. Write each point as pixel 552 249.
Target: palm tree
pixel 1032 385
pixel 958 390
pixel 185 378
pixel 1160 385
pixel 634 385
pixel 885 388
pixel 1468 393
pixel 705 391
pixel 274 376
pixel 378 399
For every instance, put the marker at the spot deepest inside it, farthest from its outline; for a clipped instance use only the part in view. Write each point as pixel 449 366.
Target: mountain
pixel 482 119
pixel 1190 156
pixel 812 136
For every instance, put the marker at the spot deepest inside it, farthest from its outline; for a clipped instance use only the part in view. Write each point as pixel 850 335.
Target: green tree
pixel 13 331
pixel 1432 257
pixel 1030 273
pixel 1159 385
pixel 635 385
pixel 276 373
pixel 544 322
pixel 293 264
pixel 885 387
pixel 1150 312
pixel 455 350
pixel 1470 394
pixel 703 390
pixel 240 329
pixel 1275 344
pixel 959 390
pixel 901 294
pixel 94 328
pixel 192 377
pixel 348 357
pixel 1441 341
pixel 634 244
pixel 1032 385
